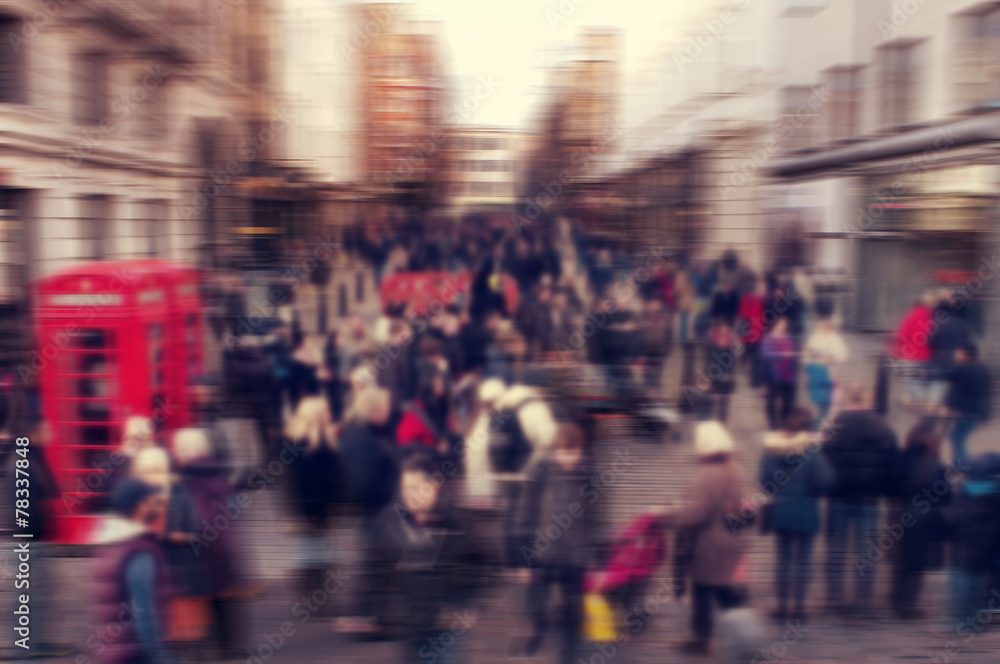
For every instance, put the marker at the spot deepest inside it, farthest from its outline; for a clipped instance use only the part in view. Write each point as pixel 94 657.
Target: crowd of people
pixel 452 437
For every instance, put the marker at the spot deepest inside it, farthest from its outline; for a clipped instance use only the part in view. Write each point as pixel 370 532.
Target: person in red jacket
pixel 913 349
pixel 425 420
pixel 751 329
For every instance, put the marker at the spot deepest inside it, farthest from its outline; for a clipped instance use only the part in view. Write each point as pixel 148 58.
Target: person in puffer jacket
pixel 132 584
pixel 861 447
pixel 973 519
pixel 798 475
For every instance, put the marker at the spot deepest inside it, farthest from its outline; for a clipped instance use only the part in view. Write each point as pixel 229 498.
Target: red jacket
pixel 413 429
pixel 913 340
pixel 752 323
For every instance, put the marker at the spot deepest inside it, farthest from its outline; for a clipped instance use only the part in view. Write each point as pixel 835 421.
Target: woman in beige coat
pixel 712 506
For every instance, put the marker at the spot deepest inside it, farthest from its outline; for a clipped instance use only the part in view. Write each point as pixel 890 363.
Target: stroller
pixel 633 558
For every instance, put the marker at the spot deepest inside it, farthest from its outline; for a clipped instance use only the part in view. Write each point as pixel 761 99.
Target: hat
pixel 711 438
pixel 190 444
pixel 491 389
pixel 129 494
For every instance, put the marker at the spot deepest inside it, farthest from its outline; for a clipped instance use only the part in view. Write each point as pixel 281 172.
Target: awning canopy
pixel 930 140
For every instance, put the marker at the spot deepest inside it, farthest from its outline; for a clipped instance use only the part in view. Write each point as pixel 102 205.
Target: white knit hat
pixel 491 389
pixel 711 438
pixel 190 444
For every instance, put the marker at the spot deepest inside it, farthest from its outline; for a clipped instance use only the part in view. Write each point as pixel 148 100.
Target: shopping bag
pixel 598 618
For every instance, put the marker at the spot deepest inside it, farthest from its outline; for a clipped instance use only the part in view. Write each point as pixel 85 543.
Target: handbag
pixel 599 622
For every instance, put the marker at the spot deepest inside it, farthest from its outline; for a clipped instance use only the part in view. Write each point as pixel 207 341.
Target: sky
pixel 512 41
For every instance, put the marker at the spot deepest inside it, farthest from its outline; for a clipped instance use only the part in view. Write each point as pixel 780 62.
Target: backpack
pixel 509 448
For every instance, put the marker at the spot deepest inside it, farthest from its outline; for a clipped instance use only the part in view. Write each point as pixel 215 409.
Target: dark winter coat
pixel 915 471
pixel 862 450
pixel 549 491
pixel 423 568
pixel 371 465
pixel 208 484
pixel 973 517
pixel 797 475
pixel 319 481
pixel 969 390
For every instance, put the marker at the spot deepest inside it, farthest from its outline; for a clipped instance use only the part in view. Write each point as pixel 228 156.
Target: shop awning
pixel 930 140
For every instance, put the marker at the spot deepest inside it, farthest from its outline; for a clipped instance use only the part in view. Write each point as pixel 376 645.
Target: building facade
pixel 127 129
pixel 483 168
pixel 847 137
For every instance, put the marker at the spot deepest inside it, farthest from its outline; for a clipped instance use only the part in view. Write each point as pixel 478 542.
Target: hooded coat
pixel 713 497
pixel 796 475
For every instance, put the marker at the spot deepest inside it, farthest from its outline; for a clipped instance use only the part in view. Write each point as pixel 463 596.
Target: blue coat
pixel 795 476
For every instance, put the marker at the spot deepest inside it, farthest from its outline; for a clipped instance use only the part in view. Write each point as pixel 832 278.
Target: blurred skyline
pixel 519 41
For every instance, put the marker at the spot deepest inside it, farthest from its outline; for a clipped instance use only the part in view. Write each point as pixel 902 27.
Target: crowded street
pixel 440 332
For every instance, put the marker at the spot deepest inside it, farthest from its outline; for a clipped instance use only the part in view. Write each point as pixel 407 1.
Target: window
pixel 976 73
pixel 899 78
pixel 11 62
pixel 153 112
pixel 801 105
pixel 844 85
pixel 95 215
pixel 153 231
pixel 90 88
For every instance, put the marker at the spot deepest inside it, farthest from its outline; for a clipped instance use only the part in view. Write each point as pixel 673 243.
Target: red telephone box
pixel 114 341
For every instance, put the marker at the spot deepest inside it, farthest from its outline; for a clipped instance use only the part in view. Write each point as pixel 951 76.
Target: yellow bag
pixel 598 619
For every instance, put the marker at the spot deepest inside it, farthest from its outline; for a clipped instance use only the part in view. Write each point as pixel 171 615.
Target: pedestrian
pixel 968 400
pixel 132 586
pixel 480 496
pixel 825 352
pixel 918 467
pixel 951 333
pixel 780 353
pixel 725 303
pixel 913 350
pixel 657 339
pixel 552 495
pixel 40 485
pixel 207 482
pixel 973 520
pixel 721 367
pixel 190 606
pixel 318 479
pixel 715 492
pixel 752 327
pixel 426 420
pixel 524 432
pixel 370 462
pixel 800 477
pixel 424 556
pixel 861 448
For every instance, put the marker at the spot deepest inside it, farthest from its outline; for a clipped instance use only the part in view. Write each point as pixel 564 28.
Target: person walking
pixel 861 447
pixel 913 350
pixel 370 461
pixel 824 353
pixel 918 467
pixel 781 355
pixel 968 398
pixel 132 587
pixel 552 488
pixel 801 476
pixel 718 550
pixel 721 366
